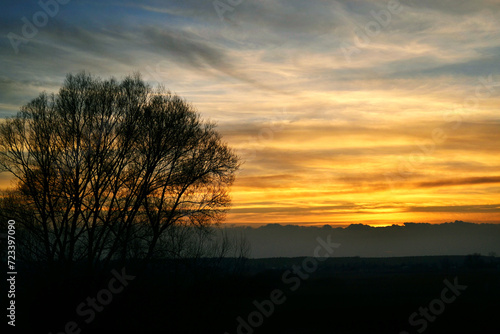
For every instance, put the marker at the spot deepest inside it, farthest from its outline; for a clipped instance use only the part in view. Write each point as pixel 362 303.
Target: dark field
pixel 340 295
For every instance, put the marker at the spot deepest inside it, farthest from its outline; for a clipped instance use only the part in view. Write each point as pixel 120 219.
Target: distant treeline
pixel 410 239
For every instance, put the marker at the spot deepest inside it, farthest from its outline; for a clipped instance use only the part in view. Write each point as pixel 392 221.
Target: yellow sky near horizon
pixel 394 170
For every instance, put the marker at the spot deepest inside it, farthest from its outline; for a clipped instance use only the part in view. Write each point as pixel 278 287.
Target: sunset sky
pixel 374 112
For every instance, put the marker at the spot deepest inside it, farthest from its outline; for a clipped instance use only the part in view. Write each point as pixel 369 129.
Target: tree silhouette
pixel 105 168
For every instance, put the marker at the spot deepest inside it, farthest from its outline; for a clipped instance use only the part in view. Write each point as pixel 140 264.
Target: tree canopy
pixel 104 168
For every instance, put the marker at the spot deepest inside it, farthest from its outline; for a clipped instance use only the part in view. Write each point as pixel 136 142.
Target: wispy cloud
pixel 459 182
pixel 348 124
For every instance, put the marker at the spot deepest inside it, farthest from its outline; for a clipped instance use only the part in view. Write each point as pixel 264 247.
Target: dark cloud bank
pixel 412 239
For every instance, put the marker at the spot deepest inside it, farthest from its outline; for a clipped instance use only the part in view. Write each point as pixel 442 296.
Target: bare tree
pixel 105 166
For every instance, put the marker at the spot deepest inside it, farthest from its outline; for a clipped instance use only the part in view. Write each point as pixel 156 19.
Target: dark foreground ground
pixel 452 294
